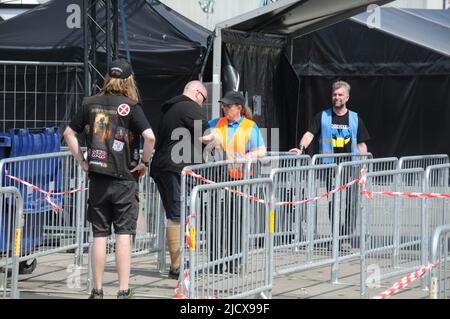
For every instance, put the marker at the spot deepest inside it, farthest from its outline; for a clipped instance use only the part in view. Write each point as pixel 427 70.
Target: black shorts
pixel 115 202
pixel 169 187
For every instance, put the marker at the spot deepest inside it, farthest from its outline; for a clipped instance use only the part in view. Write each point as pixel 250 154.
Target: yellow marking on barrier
pixel 17 239
pixel 192 235
pixel 272 221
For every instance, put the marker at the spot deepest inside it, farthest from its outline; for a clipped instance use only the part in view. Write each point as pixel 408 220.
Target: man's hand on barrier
pixel 296 151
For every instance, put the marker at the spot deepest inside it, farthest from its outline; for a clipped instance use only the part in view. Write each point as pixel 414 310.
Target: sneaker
pixel 27 267
pixel 96 294
pixel 125 294
pixel 174 274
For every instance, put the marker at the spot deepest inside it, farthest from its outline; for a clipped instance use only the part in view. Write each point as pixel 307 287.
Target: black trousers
pixel 225 229
pixel 348 201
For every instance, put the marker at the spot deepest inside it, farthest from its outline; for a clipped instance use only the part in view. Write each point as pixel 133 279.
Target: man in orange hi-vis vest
pixel 240 138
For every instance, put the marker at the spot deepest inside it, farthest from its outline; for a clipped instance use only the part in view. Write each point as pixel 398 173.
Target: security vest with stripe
pixel 326 138
pixel 237 145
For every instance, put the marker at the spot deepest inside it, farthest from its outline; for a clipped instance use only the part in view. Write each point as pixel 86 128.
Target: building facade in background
pixel 208 13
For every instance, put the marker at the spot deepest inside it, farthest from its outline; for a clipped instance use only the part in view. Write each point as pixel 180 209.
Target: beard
pixel 339 105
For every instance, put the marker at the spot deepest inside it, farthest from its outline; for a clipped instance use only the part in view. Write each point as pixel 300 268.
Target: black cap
pixel 233 97
pixel 120 69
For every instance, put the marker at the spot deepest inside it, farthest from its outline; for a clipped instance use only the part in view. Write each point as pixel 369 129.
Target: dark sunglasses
pixel 204 97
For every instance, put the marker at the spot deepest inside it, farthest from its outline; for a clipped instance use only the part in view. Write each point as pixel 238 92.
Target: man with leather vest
pixel 341 131
pixel 113 122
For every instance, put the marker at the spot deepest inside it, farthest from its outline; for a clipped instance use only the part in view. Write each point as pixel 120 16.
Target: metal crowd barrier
pixel 219 172
pixel 392 233
pixel 422 161
pixel 11 233
pixel 346 208
pixel 391 227
pixel 440 254
pixel 302 235
pixel 339 158
pixel 47 230
pixel 279 153
pixel 435 212
pixel 262 167
pixel 226 261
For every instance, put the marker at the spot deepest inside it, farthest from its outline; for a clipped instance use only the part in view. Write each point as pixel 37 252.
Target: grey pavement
pixel 54 279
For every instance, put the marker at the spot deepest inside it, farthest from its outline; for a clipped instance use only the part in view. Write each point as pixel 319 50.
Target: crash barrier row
pixel 263 167
pixel 54 190
pixel 219 172
pixel 422 161
pixel 318 229
pixel 339 158
pixel 51 217
pixel 12 205
pixel 53 213
pixel 209 173
pixel 438 266
pixel 391 227
pixel 422 206
pixel 228 257
pixel 338 233
pixel 440 255
pixel 303 243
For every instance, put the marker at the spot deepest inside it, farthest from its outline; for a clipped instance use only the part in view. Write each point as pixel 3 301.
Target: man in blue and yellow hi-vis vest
pixel 240 138
pixel 341 131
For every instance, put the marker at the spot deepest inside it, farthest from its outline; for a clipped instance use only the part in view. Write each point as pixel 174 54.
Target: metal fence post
pixel 336 211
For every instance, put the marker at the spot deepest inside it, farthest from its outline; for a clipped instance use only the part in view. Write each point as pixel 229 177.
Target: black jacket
pixel 179 113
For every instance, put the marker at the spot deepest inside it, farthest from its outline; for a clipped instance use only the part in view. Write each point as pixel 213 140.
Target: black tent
pixel 167 50
pixel 399 71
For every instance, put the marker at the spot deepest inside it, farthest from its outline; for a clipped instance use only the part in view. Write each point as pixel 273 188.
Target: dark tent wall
pixel 167 50
pixel 287 91
pixel 400 90
pixel 258 60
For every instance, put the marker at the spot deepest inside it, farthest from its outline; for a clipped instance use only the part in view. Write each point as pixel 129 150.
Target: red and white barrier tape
pixel 46 193
pixel 203 179
pixel 184 295
pixel 187 231
pixel 405 281
pixel 361 180
pixel 371 195
pixel 310 200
